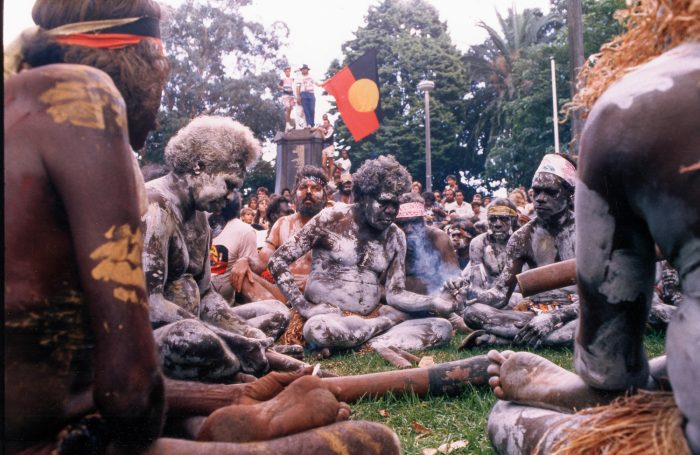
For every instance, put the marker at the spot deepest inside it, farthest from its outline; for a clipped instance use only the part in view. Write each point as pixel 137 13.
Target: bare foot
pixel 305 404
pixel 529 379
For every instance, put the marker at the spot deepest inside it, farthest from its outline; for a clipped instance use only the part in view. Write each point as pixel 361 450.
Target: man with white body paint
pixel 487 252
pixel 640 185
pixel 198 335
pixel 355 249
pixel 547 239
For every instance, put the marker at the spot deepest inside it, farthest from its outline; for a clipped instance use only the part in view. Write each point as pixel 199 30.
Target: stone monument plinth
pixel 295 148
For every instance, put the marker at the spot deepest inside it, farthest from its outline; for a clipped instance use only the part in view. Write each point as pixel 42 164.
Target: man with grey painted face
pixel 549 238
pixel 355 250
pixel 198 335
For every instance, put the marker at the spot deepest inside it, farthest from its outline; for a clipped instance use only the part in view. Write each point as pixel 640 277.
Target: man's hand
pixel 536 330
pixel 443 307
pixel 240 272
pixel 306 309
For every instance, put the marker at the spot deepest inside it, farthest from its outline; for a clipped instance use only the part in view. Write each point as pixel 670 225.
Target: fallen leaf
pixel 426 362
pixel 429 451
pixel 449 447
pixel 419 428
pixel 384 413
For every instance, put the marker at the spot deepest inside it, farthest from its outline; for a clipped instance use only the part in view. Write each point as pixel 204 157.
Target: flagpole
pixel 426 87
pixel 555 113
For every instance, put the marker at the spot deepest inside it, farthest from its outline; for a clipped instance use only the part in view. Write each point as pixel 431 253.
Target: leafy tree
pixel 517 144
pixel 221 64
pixel 262 174
pixel 492 68
pixel 412 44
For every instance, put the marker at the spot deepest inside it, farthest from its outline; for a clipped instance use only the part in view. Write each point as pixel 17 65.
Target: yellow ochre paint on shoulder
pixel 81 100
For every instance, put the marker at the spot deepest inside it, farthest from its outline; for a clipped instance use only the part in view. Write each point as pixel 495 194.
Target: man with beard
pixel 310 192
pixel 550 316
pixel 357 249
pixel 344 193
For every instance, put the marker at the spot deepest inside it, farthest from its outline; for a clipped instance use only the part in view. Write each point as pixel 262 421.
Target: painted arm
pixel 157 227
pixel 95 182
pixel 536 330
pixel 503 287
pixel 283 258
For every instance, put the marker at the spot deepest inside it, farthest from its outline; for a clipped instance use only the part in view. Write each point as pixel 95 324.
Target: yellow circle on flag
pixel 364 95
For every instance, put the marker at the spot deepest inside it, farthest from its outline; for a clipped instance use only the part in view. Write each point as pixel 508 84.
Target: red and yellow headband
pixel 108 34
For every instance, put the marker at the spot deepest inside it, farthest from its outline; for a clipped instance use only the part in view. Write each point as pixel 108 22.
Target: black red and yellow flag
pixel 356 92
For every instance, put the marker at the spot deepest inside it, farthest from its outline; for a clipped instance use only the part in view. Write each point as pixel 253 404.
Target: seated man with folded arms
pixel 356 250
pixel 81 368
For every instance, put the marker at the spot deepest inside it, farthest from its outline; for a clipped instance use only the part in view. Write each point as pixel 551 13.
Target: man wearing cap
pixel 549 238
pixel 356 251
pixel 286 86
pixel 305 94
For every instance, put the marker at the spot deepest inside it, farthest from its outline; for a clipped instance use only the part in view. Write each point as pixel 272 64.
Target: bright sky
pixel 319 27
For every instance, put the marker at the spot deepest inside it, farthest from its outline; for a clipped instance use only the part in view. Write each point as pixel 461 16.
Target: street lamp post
pixel 426 87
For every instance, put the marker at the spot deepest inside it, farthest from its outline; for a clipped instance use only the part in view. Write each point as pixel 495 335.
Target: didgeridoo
pixel 449 378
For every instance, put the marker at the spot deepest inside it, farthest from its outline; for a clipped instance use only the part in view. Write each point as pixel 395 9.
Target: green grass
pixel 449 419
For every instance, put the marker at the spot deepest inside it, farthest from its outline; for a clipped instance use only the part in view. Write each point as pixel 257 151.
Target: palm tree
pixel 490 67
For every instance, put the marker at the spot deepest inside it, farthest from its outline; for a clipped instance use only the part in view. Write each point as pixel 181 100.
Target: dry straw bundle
pixel 653 27
pixel 648 423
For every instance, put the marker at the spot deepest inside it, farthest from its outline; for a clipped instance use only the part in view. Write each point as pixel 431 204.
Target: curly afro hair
pixel 214 141
pixel 384 174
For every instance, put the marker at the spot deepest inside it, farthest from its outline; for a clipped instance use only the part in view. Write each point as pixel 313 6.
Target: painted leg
pixel 215 310
pixel 517 429
pixel 367 438
pixel 336 331
pixel 563 336
pixel 502 323
pixel 683 361
pixel 615 277
pixel 269 316
pixel 189 350
pixel 415 335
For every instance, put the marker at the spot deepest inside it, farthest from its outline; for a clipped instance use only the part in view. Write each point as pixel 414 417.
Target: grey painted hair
pixel 211 140
pixel 384 174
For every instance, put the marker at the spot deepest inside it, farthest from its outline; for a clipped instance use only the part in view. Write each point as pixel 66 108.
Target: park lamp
pixel 426 86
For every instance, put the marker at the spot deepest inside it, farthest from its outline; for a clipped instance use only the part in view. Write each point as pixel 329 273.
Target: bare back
pixel 72 239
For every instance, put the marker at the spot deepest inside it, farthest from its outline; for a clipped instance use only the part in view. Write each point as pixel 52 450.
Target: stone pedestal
pixel 295 148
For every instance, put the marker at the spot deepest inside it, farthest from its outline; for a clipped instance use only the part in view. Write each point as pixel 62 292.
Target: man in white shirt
pixel 305 94
pixel 458 206
pixel 236 240
pixel 344 162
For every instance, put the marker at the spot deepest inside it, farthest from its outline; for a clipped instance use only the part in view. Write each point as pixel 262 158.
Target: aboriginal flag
pixel 356 92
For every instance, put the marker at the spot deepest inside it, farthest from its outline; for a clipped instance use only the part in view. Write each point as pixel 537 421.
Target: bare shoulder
pixel 71 95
